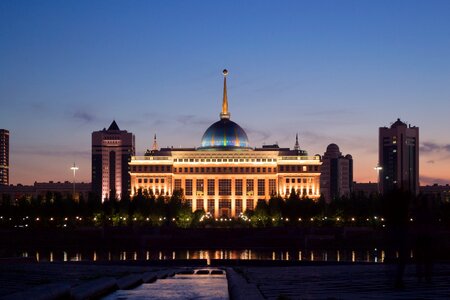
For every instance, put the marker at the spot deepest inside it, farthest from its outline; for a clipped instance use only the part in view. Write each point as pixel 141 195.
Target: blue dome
pixel 224 134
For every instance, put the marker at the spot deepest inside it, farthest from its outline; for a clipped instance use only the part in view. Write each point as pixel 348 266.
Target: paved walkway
pixel 346 282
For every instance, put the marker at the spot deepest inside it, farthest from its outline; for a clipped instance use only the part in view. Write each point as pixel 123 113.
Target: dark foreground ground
pixel 309 281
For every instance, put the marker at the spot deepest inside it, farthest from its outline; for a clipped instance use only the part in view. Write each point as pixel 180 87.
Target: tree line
pixel 144 209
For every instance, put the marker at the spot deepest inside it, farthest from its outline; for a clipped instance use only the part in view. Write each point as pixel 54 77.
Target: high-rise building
pixel 399 157
pixel 112 149
pixel 224 176
pixel 4 157
pixel 336 178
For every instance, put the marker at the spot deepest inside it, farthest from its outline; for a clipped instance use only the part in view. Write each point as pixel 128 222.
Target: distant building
pixel 15 192
pixel 365 188
pixel 442 192
pixel 399 157
pixel 4 157
pixel 336 178
pixel 112 149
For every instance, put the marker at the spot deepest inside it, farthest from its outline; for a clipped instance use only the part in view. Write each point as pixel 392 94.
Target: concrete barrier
pixel 129 282
pixel 43 292
pixel 240 289
pixel 94 289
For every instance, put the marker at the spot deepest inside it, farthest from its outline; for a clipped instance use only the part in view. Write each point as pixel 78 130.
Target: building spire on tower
pixel 297 146
pixel 155 144
pixel 225 114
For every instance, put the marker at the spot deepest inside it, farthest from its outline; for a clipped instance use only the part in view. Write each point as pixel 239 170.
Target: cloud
pixel 430 161
pixel 84 116
pixel 429 180
pixel 429 147
pixel 52 153
pixel 193 120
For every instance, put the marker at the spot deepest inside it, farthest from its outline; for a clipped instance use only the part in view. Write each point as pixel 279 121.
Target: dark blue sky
pixel 333 71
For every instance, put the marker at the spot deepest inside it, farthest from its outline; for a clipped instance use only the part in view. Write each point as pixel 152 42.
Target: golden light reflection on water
pixel 374 255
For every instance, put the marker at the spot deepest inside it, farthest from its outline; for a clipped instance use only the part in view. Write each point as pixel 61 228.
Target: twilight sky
pixel 333 71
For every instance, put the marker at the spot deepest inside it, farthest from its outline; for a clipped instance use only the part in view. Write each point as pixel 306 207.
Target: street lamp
pixel 378 168
pixel 74 168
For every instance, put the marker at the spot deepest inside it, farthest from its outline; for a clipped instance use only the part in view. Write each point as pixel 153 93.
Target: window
pixel 250 187
pixel 211 206
pixel 156 180
pixel 225 203
pixel 162 180
pixel 224 187
pixel 249 204
pixel 188 191
pixel 238 206
pixel 261 187
pixel 238 187
pixel 304 180
pixel 145 180
pixel 211 187
pixel 272 186
pixel 199 203
pixel 287 180
pixel 304 169
pixel 199 187
pixel 189 203
pixel 139 180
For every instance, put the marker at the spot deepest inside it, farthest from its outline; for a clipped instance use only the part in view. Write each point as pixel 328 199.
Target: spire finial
pixel 297 146
pixel 155 144
pixel 225 114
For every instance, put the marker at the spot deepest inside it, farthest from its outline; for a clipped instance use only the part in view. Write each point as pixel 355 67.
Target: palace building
pixel 225 176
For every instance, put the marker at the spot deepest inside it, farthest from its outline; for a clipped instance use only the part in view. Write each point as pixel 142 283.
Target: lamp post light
pixel 378 168
pixel 74 168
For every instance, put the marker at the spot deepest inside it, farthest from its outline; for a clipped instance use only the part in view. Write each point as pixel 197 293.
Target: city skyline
pixel 331 73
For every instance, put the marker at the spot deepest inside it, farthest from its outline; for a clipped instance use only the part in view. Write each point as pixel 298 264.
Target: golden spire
pixel 225 114
pixel 155 144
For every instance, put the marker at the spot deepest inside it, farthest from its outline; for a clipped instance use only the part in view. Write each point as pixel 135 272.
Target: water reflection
pixel 375 255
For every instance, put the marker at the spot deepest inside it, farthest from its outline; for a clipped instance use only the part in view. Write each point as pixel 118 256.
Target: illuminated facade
pixel 112 150
pixel 225 176
pixel 4 157
pixel 399 157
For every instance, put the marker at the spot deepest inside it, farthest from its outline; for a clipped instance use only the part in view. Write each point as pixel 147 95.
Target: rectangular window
pixel 188 191
pixel 189 203
pixel 261 187
pixel 249 204
pixel 199 187
pixel 224 187
pixel 211 206
pixel 272 186
pixel 225 203
pixel 145 180
pixel 211 187
pixel 199 203
pixel 249 187
pixel 304 168
pixel 238 206
pixel 139 180
pixel 238 187
pixel 177 184
pixel 287 180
